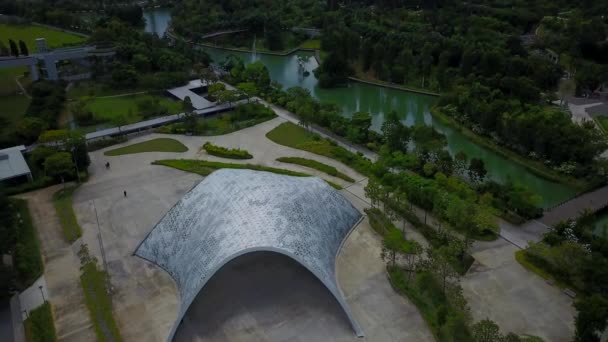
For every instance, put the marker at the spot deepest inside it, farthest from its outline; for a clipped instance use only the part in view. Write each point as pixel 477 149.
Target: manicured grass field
pixel 154 145
pixel 91 88
pixel 39 326
pixel 8 86
pixel 291 135
pixel 313 164
pixel 204 168
pixel 12 109
pixel 109 108
pixel 28 33
pixel 62 200
pixel 311 44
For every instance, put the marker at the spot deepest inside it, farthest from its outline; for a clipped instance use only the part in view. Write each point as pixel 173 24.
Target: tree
pixel 59 165
pixel 396 135
pixel 248 88
pixel 23 48
pixel 486 331
pixel 119 121
pixel 566 88
pixel 373 191
pixel 394 244
pixel 591 318
pixel 214 89
pixel 207 76
pixel 361 122
pixel 441 261
pixel 477 170
pixel 13 47
pixel 30 128
pixel 190 121
pixel 187 105
pixel 460 163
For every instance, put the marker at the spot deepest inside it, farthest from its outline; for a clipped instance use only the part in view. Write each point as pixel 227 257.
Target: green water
pixel 157 20
pixel 601 223
pixel 413 109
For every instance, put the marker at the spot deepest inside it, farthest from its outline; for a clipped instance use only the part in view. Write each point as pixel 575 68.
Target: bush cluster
pixel 231 153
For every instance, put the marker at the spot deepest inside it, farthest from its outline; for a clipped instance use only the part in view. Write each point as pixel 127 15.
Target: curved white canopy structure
pixel 235 212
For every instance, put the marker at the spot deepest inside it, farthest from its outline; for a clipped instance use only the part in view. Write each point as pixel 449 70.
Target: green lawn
pixel 204 168
pixel 12 109
pixel 524 261
pixel 311 44
pixel 97 89
pixel 62 200
pixel 313 164
pixel 107 109
pixel 28 33
pixel 8 86
pixel 99 302
pixel 39 326
pixel 154 145
pixel 291 135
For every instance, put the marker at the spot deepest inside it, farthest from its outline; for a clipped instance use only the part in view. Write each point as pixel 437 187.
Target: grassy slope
pixel 39 326
pixel 109 108
pixel 27 255
pixel 313 164
pixel 204 168
pixel 291 135
pixel 62 200
pixel 602 121
pixel 28 33
pixel 154 145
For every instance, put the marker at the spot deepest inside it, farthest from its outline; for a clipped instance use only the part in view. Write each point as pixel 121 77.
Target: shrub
pixel 313 164
pixel 231 153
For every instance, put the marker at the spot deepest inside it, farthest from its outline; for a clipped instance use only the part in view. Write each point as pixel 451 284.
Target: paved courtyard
pixel 499 288
pixel 146 299
pixel 145 296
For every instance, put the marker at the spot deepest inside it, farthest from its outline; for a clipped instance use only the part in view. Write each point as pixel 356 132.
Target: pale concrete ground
pixel 31 298
pixel 146 299
pixel 499 288
pixel 61 269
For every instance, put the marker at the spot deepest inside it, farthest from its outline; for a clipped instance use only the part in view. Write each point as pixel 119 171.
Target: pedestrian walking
pixel 125 193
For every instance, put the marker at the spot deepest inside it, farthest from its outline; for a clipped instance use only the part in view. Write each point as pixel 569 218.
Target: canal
pixel 414 109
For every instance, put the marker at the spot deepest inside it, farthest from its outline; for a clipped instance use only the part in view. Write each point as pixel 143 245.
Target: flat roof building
pixel 198 102
pixel 12 163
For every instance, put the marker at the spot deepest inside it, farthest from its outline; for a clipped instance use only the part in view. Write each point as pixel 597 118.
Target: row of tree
pixel 13 50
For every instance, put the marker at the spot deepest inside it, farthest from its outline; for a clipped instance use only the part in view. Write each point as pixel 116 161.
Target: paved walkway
pixel 61 269
pixel 31 298
pixel 594 201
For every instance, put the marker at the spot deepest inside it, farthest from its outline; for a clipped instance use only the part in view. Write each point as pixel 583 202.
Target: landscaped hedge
pixel 205 167
pixel 313 164
pixel 231 153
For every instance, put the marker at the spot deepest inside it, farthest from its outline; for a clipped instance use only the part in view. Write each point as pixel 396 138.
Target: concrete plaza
pixel 145 296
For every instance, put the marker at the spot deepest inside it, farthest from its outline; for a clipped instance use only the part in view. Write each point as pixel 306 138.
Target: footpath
pixel 61 269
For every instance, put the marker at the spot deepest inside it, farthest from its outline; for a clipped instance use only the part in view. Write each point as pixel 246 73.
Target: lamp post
pixel 42 293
